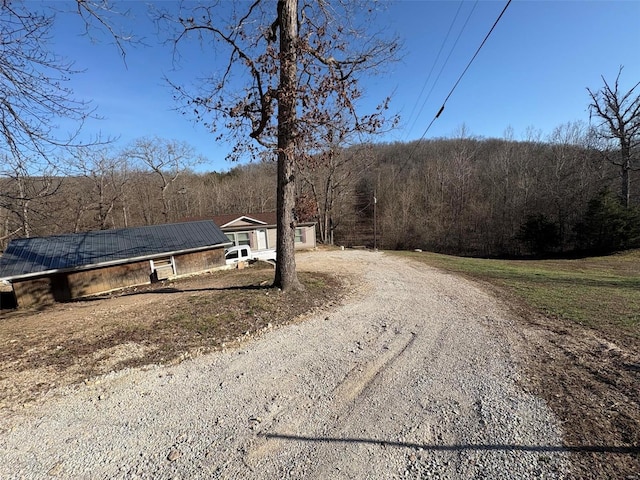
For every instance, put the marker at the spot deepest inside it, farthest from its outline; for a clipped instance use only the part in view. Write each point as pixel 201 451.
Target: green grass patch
pixel 600 292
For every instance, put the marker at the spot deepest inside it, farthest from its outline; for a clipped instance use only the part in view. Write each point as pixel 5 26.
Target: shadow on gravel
pixel 447 448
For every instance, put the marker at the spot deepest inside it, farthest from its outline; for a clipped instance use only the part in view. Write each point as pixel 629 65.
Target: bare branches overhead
pixel 334 47
pixel 40 117
pixel 33 95
pixel 99 14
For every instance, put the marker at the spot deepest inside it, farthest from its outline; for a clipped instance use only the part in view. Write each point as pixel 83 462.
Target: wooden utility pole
pixel 375 220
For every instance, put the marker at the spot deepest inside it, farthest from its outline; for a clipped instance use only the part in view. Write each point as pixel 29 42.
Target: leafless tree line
pixel 472 196
pixel 461 195
pixel 467 195
pixel 153 181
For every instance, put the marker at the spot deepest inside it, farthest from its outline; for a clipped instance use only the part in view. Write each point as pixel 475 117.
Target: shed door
pixel 262 239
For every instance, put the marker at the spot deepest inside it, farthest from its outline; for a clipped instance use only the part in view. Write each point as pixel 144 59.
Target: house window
pixel 239 238
pixel 299 235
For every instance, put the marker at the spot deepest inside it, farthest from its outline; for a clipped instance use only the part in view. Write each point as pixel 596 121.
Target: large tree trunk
pixel 286 277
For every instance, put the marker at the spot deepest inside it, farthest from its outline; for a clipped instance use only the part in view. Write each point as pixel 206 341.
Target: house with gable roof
pixel 258 230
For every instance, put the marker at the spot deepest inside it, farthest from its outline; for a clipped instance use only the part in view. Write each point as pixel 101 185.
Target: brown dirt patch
pixel 591 380
pixel 65 344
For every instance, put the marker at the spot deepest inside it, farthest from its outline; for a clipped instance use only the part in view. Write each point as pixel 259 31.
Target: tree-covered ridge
pixel 464 195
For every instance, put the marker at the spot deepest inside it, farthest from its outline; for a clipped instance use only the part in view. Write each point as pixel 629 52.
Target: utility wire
pixel 435 62
pixel 417 143
pixel 467 67
pixel 445 63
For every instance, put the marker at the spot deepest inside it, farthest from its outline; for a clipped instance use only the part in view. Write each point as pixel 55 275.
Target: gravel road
pixel 414 376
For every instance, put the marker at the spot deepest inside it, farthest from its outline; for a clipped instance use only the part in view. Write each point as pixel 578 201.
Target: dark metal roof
pixel 28 256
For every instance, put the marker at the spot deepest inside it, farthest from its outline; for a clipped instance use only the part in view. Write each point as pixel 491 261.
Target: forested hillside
pixel 464 195
pixel 497 197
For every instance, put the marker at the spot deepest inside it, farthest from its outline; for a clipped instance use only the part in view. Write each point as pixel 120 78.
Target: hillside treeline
pixel 499 198
pixel 465 196
pixel 118 197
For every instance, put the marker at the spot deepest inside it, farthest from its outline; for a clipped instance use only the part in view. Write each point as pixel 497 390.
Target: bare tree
pixel 142 199
pixel 566 179
pixel 34 80
pixel 21 190
pixel 302 61
pixel 619 115
pixel 330 178
pixel 167 159
pixel 108 175
pixel 33 85
pixel 34 98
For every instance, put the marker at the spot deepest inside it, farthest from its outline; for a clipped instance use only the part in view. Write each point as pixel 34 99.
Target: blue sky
pixel 532 72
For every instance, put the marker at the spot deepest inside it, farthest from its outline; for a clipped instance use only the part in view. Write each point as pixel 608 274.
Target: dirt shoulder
pixel 592 383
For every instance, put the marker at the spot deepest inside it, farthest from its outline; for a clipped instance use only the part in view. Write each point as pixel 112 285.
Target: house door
pixel 262 239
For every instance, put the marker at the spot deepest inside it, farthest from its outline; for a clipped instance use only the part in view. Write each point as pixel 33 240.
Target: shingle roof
pixel 26 256
pixel 264 219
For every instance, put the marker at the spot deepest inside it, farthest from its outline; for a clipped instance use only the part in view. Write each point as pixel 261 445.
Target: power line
pixel 417 143
pixel 446 61
pixel 467 67
pixel 435 62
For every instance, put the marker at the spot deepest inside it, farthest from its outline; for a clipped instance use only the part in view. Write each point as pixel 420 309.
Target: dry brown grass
pixel 164 323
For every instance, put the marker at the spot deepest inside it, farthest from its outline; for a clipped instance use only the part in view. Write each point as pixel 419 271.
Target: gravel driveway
pixel 414 376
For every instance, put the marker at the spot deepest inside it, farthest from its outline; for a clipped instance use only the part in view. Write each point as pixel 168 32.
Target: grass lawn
pixel 598 292
pixel 587 374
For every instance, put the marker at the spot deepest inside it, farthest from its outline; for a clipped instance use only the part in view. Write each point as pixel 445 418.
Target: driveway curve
pixel 415 375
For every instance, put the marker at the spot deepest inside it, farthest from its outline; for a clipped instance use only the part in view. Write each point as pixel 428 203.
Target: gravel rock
pixel 430 390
